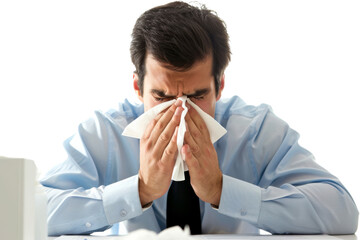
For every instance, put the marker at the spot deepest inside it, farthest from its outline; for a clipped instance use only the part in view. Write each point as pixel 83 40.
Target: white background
pixel 60 60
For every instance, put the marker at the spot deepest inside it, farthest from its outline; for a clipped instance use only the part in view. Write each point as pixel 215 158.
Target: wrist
pixel 145 198
pixel 215 200
pixel 146 206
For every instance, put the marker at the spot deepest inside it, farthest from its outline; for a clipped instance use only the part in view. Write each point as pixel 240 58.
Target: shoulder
pixel 128 110
pixel 234 114
pixel 120 117
pixel 235 106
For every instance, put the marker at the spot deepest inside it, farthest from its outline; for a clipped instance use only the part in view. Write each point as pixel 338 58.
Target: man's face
pixel 162 84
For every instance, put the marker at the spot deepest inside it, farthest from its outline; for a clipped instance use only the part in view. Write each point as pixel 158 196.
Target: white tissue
pixel 180 165
pixel 137 128
pixel 173 233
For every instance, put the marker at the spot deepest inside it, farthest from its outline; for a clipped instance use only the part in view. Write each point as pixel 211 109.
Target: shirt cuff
pixel 121 200
pixel 240 199
pixel 147 206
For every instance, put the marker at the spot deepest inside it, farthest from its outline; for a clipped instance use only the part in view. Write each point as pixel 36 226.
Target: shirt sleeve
pixel 86 193
pixel 83 211
pixel 290 192
pixel 121 200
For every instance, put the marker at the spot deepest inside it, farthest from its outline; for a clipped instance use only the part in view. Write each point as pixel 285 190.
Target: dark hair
pixel 178 35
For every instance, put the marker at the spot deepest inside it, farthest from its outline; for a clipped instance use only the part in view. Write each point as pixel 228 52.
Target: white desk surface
pixel 222 237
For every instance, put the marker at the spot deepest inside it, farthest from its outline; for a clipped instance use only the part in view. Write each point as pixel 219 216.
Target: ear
pixel 221 88
pixel 136 87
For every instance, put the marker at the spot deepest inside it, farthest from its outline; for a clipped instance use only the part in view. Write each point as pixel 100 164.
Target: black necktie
pixel 183 206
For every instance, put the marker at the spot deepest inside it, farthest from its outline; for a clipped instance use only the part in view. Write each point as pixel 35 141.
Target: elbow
pixel 344 221
pixel 347 224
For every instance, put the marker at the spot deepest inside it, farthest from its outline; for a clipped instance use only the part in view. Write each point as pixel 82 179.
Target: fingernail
pixel 182 155
pixel 184 150
pixel 178 111
pixel 188 149
pixel 178 103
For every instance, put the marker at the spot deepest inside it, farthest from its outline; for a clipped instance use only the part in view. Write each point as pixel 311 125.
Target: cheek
pixel 206 106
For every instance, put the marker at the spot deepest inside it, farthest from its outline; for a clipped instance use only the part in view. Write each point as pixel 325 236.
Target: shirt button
pixel 123 213
pixel 243 212
pixel 88 225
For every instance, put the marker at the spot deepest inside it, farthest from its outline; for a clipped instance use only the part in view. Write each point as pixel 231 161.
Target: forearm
pixel 80 211
pixel 75 211
pixel 312 208
pixel 307 209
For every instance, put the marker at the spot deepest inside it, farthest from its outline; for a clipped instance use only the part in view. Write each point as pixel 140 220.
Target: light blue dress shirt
pixel 269 181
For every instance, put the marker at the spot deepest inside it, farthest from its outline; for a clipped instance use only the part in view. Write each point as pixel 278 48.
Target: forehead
pixel 159 76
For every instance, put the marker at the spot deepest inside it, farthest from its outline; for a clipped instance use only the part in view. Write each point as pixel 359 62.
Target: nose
pixel 180 89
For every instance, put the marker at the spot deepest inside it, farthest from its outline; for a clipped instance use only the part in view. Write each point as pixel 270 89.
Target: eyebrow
pixel 198 92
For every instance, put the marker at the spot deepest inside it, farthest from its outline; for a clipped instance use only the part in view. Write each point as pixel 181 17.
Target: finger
pixel 199 122
pixel 170 152
pixel 162 122
pixel 195 148
pixel 166 135
pixel 152 131
pixel 192 163
pixel 194 131
pixel 151 126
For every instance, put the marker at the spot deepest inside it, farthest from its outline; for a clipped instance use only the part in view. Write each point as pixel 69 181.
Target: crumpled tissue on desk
pixel 173 233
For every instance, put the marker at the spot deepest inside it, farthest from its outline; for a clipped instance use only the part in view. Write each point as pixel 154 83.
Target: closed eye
pixel 161 99
pixel 197 97
pixel 160 96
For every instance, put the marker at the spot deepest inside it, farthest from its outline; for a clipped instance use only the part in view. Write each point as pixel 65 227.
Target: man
pixel 255 177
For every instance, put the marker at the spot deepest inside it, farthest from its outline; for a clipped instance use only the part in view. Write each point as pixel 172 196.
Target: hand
pixel 158 151
pixel 201 159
